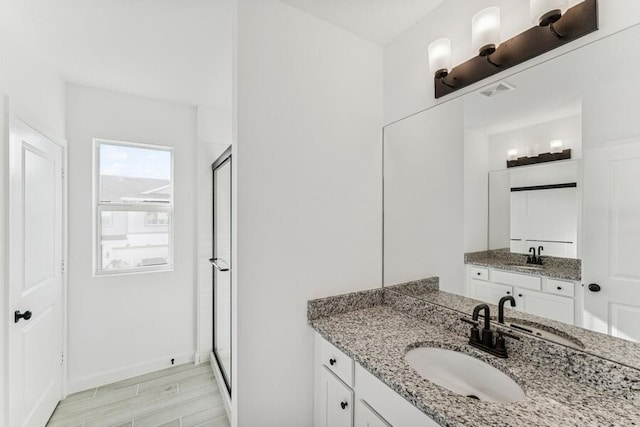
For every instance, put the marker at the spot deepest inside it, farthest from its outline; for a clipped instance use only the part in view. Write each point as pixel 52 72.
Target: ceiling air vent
pixel 496 89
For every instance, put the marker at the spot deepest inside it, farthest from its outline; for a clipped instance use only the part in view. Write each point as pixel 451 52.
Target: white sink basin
pixel 464 375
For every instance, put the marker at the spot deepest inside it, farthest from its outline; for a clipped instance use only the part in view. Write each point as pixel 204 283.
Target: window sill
pixel 133 272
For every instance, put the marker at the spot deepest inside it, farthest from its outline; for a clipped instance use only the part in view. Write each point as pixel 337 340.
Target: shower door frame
pixel 221 161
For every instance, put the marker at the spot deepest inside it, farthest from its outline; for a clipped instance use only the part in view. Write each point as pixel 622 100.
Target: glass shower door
pixel 221 265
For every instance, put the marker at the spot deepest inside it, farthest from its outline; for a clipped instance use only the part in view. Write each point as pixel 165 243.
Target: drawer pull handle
pixel 344 405
pixel 508 292
pixel 559 288
pixel 520 295
pixel 479 274
pixel 332 362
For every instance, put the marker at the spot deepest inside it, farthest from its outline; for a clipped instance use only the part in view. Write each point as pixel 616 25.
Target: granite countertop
pixel 601 345
pixel 556 268
pixel 563 387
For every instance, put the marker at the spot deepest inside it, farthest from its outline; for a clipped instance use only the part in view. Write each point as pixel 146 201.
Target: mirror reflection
pixel 551 200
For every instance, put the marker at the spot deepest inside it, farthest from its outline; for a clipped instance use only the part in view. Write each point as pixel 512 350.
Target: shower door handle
pixel 214 262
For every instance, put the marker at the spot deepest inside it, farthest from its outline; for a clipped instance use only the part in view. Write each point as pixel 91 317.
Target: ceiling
pixel 380 21
pixel 177 50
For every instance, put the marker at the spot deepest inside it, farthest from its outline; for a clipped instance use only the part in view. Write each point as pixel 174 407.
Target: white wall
pixel 423 198
pixel 408 86
pixel 214 136
pixel 476 190
pixel 37 97
pixel 125 325
pixel 307 156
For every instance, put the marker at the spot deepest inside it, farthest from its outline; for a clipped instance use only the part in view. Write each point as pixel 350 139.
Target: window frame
pixel 99 206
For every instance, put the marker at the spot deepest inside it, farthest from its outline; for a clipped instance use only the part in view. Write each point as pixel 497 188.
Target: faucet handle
pixel 469 321
pixel 502 332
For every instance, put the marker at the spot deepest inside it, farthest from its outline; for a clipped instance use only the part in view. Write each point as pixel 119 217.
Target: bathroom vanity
pixel 363 377
pixel 552 290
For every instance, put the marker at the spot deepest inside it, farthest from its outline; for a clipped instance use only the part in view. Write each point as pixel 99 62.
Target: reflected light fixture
pixel 555 146
pixel 485 31
pixel 440 58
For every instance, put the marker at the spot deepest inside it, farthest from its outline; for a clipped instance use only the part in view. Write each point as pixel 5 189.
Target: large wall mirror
pixel 448 190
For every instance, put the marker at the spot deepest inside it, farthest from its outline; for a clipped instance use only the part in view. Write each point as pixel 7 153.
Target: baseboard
pixel 204 357
pixel 226 399
pixel 81 384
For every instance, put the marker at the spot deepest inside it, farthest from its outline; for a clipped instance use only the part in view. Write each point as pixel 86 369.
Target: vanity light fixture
pixel 555 146
pixel 485 31
pixel 533 157
pixel 493 56
pixel 546 12
pixel 440 58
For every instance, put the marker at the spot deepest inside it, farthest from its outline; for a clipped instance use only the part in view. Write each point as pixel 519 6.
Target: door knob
pixel 594 287
pixel 17 316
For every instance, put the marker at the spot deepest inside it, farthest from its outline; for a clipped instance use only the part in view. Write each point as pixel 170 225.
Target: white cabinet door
pixel 552 307
pixel 368 417
pixel 490 292
pixel 336 401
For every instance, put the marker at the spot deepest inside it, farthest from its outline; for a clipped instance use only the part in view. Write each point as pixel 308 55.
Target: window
pixel 134 207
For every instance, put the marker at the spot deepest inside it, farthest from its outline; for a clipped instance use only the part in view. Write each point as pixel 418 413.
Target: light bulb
pixel 545 12
pixel 485 31
pixel 555 146
pixel 512 154
pixel 440 57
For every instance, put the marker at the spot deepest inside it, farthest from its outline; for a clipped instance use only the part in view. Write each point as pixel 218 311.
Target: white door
pixel 611 219
pixel 35 276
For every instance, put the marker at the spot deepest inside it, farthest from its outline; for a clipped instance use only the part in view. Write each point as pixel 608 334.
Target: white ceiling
pixel 380 21
pixel 177 50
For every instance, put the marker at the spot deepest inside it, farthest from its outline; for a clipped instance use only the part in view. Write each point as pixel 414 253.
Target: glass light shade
pixel 440 56
pixel 541 8
pixel 485 30
pixel 512 154
pixel 556 146
pixel 534 151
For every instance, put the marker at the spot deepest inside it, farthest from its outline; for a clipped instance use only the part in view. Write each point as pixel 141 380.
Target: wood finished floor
pixel 182 396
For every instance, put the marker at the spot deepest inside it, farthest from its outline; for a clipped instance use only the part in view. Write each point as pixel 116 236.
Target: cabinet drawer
pixel 336 361
pixel 558 287
pixel 478 273
pixel 517 280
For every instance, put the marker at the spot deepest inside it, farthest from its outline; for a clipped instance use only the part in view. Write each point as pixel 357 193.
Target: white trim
pixel 127 372
pixel 226 399
pixel 4 262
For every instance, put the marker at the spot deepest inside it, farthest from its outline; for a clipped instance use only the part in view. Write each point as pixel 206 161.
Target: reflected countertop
pixel 553 267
